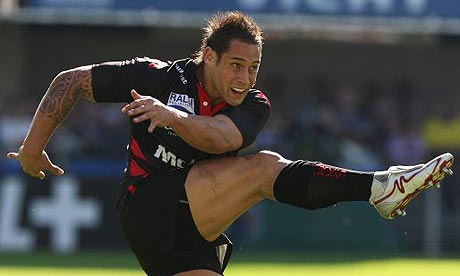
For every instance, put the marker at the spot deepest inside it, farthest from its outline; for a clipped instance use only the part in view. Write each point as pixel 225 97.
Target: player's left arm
pixel 218 134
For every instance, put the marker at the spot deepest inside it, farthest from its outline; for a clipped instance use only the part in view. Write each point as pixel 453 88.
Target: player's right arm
pixel 66 89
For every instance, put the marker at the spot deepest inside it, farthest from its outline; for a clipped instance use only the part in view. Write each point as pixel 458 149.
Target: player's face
pixel 234 74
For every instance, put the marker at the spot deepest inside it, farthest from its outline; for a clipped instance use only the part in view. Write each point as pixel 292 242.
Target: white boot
pixel 394 189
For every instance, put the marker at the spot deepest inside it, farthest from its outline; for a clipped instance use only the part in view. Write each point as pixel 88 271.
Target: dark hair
pixel 225 27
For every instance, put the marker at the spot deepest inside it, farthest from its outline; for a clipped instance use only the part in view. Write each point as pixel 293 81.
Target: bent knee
pixel 267 165
pixel 267 161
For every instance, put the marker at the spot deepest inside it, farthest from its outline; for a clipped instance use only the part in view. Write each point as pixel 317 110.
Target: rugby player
pixel 184 184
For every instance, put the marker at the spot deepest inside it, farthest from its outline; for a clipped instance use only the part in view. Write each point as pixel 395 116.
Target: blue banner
pixel 405 8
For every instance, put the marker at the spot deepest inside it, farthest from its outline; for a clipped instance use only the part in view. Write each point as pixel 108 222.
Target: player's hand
pixel 144 108
pixel 35 164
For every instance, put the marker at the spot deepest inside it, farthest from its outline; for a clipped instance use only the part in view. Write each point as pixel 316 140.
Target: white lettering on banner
pixel 64 213
pixel 416 6
pixel 253 4
pixel 380 6
pixel 385 6
pixel 12 236
pixel 92 3
pixel 335 6
pixel 326 6
pixel 289 5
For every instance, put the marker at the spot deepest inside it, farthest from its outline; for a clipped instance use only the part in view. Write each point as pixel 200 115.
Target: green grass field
pixel 122 264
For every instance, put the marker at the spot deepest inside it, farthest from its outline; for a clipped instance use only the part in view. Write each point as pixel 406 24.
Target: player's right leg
pixel 220 190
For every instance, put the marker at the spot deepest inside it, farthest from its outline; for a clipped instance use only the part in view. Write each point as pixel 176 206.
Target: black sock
pixel 313 185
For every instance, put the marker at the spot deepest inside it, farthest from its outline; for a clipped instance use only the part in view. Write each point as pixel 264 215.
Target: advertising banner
pixel 400 8
pixel 62 214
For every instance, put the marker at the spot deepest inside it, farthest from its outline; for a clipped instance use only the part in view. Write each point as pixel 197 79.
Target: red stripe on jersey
pixel 206 104
pixel 134 168
pixel 135 149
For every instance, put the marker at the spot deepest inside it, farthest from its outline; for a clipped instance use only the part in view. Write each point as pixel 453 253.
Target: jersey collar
pixel 205 102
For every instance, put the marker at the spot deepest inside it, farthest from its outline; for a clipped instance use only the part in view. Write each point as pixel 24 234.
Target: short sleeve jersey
pixel 174 84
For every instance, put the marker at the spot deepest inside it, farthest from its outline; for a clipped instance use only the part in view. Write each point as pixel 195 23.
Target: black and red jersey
pixel 174 84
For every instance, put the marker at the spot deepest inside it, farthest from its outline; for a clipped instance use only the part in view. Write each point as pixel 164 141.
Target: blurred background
pixel 362 84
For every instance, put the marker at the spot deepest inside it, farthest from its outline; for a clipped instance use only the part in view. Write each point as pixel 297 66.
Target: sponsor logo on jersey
pixel 178 68
pixel 182 102
pixel 181 73
pixel 170 158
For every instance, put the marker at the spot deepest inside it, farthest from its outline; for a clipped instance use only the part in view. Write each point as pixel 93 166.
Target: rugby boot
pixel 392 190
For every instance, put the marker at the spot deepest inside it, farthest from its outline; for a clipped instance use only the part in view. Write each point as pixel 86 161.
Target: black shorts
pixel 159 228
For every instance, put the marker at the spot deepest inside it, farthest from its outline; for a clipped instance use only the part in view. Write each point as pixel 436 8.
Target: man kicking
pixel 184 184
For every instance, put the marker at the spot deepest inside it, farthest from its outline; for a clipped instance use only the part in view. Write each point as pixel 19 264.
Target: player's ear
pixel 209 55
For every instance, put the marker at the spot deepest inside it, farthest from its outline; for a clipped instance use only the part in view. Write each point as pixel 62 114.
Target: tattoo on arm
pixel 65 91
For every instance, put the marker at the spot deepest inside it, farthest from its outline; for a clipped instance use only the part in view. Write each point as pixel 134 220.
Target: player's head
pixel 230 56
pixel 225 27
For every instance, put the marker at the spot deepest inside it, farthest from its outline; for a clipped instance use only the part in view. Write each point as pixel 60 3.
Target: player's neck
pixel 205 83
